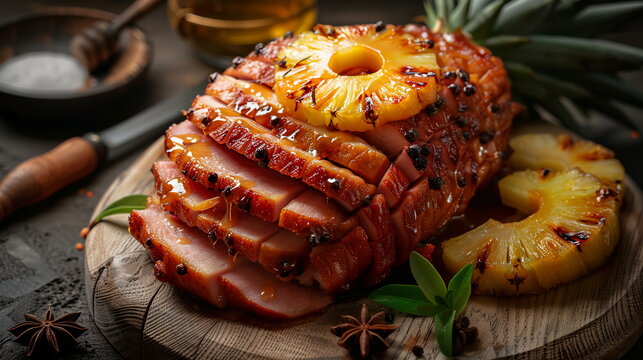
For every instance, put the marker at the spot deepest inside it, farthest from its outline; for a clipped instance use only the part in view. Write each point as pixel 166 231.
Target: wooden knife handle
pixel 43 175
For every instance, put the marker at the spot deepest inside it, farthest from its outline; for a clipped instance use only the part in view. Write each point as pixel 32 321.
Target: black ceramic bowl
pixel 50 30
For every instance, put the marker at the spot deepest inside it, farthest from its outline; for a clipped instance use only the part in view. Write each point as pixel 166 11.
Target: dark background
pixel 46 233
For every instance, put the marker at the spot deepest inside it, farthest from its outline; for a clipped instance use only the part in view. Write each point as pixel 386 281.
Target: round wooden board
pixel 596 317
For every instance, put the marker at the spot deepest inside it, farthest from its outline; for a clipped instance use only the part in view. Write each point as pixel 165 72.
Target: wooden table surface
pixel 39 265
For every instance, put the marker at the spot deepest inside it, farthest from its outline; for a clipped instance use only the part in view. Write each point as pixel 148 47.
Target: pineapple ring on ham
pixel 356 77
pixel 559 152
pixel 572 229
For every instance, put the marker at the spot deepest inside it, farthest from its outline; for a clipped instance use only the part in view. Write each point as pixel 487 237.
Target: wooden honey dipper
pixel 96 44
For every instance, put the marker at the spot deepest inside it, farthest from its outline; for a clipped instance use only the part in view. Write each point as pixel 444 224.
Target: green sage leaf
pixel 122 206
pixel 404 298
pixel 427 277
pixel 444 331
pixel 460 289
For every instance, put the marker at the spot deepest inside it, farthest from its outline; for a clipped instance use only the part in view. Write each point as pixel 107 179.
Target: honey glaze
pixel 259 91
pixel 175 189
pixel 240 182
pixel 208 204
pixel 181 142
pixel 231 215
pixel 267 293
pixel 200 149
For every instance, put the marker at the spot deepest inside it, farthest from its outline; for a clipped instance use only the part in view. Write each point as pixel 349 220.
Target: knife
pixel 43 175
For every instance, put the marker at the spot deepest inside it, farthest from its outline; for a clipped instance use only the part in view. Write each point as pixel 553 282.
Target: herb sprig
pixel 430 297
pixel 122 206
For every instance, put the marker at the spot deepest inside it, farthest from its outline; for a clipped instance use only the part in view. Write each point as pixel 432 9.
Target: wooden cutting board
pixel 597 317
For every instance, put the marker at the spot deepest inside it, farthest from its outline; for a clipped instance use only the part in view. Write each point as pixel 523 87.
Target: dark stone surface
pixel 51 270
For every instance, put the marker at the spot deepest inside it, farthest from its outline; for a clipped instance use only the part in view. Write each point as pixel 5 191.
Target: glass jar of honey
pixel 222 29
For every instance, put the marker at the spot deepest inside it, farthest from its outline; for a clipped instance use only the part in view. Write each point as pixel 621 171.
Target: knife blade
pixel 40 177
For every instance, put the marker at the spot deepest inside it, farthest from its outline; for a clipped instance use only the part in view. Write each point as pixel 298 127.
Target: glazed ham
pixel 281 252
pixel 313 211
pixel 185 258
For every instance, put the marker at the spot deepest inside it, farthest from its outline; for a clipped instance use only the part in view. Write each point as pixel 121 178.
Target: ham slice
pixel 284 254
pixel 317 217
pixel 253 70
pixel 376 221
pixel 280 252
pixel 194 206
pixel 252 140
pixel 264 191
pixel 250 288
pixel 185 258
pixel 393 185
pixel 253 100
pixel 258 66
pixel 182 256
pixel 341 263
pixel 260 103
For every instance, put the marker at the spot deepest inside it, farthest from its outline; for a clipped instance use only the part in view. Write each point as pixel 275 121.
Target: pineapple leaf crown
pixel 551 53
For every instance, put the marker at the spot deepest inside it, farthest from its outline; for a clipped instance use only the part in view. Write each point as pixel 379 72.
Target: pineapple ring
pixel 355 77
pixel 573 229
pixel 561 152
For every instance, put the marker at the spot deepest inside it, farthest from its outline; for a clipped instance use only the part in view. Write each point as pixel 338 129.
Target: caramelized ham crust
pixel 185 258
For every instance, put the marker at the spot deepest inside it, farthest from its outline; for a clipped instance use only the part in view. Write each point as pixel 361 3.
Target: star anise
pixel 365 335
pixel 48 334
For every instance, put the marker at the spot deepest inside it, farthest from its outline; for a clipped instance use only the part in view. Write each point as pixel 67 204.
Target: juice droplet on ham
pixel 267 293
pixel 183 241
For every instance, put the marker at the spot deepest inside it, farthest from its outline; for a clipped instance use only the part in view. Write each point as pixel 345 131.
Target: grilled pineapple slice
pixel 572 229
pixel 356 77
pixel 562 152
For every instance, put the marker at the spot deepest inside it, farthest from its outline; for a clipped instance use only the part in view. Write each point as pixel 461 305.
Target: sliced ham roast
pixel 201 159
pixel 331 210
pixel 184 257
pixel 281 252
pixel 260 103
pixel 254 141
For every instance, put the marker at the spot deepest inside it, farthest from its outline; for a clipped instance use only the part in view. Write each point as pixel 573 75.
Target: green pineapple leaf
pixel 481 25
pixel 458 17
pixel 607 86
pixel 548 54
pixel 562 87
pixel 600 19
pixel 523 16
